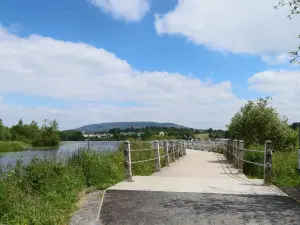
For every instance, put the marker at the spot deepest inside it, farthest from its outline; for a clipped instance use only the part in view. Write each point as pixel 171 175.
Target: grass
pixel 284 167
pixel 161 137
pixel 202 136
pixel 45 192
pixel 12 146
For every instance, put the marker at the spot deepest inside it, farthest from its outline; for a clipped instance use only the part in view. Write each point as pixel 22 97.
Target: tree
pixel 2 130
pixel 294 11
pixel 256 122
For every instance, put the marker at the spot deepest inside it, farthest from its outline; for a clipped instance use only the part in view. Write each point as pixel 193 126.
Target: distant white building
pixel 162 133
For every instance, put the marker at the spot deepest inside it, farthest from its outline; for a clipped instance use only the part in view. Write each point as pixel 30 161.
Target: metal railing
pixel 173 148
pixel 234 151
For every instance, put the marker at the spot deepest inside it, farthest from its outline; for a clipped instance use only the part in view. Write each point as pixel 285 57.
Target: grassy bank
pixel 12 146
pixel 285 172
pixel 45 191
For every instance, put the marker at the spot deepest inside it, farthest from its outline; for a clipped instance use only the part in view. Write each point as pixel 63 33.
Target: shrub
pixel 45 191
pixel 284 166
pixel 257 122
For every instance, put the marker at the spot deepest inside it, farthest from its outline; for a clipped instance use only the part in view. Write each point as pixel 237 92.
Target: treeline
pixel 71 135
pixel 149 133
pixel 32 134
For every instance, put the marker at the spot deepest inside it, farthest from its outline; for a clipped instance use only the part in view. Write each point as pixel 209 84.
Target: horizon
pixel 94 61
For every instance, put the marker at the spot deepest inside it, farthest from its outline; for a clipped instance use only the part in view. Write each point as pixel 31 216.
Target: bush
pixel 11 146
pixel 45 191
pixel 285 171
pixel 284 166
pixel 250 169
pixel 257 122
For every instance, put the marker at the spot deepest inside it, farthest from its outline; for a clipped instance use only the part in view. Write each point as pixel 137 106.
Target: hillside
pixel 104 127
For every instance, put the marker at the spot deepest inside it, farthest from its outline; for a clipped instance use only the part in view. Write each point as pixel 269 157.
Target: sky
pixel 190 62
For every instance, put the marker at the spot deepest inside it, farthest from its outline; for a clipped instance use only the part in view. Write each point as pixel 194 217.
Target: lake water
pixel 63 152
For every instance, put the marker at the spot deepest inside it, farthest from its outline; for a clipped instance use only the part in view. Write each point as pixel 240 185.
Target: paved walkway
pixel 201 188
pixel 199 172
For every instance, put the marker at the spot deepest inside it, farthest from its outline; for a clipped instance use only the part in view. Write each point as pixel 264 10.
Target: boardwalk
pixel 202 188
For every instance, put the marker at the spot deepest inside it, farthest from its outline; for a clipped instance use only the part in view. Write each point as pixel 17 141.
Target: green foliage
pixel 12 146
pixel 257 122
pixel 45 191
pixel 100 170
pixel 31 134
pixel 250 169
pixel 285 172
pixel 284 166
pixel 48 135
pixel 71 135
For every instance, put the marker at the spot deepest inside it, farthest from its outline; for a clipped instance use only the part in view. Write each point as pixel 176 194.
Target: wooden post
pixel 127 162
pixel 157 155
pixel 235 145
pixel 166 148
pixel 181 148
pixel 176 149
pixel 184 148
pixel 268 163
pixel 228 149
pixel 241 157
pixel 299 160
pixel 172 149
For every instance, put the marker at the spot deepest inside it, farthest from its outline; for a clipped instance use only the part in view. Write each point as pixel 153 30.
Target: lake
pixel 63 152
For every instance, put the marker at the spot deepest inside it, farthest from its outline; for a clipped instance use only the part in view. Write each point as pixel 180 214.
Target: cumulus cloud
pixel 69 71
pixel 276 59
pixel 252 27
pixel 129 10
pixel 284 87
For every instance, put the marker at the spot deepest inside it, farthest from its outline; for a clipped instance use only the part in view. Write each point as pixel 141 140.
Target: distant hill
pixel 104 127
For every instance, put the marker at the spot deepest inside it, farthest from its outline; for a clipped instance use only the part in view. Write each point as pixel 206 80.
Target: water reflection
pixel 63 152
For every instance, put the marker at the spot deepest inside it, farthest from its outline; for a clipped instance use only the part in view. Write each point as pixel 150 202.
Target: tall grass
pixel 284 167
pixel 45 191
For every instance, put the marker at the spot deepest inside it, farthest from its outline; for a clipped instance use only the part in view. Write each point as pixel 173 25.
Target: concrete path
pixel 199 172
pixel 200 188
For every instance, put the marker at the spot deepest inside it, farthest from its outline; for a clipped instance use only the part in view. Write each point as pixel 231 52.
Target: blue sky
pixel 165 37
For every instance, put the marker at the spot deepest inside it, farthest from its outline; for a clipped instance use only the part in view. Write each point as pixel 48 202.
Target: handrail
pixel 258 164
pixel 146 160
pixel 174 148
pixel 140 150
pixel 234 150
pixel 250 150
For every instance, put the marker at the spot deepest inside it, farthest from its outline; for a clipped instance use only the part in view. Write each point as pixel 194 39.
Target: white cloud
pixel 129 10
pixel 252 27
pixel 41 66
pixel 276 59
pixel 284 87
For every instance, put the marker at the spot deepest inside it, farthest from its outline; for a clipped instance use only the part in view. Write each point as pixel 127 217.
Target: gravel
pixel 169 208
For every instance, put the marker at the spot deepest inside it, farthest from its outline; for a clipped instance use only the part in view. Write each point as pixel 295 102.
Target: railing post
pixel 176 149
pixel 235 145
pixel 184 147
pixel 166 150
pixel 127 162
pixel 241 157
pixel 181 148
pixel 157 155
pixel 172 149
pixel 228 149
pixel 268 163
